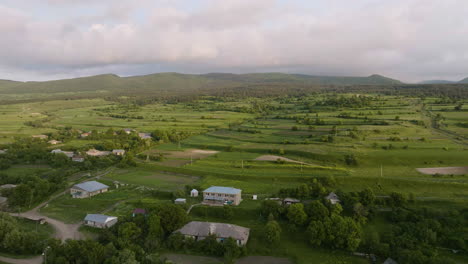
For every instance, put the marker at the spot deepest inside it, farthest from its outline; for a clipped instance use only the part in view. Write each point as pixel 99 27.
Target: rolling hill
pixel 444 81
pixel 164 82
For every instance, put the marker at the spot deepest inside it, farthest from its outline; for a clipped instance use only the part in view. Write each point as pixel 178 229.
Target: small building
pixel 100 221
pixel 40 136
pixel 333 198
pixel 222 195
pixel 118 152
pixel 144 135
pixel 54 142
pixel 97 153
pixel 200 230
pixel 3 151
pixel 390 261
pixel 128 131
pixel 138 211
pixel 194 193
pixel 78 158
pixel 88 189
pixel 180 201
pixel 8 186
pixel 289 201
pixel 254 197
pixel 86 134
pixel 69 154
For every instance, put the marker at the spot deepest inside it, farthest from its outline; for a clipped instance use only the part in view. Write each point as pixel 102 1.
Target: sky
pixel 410 40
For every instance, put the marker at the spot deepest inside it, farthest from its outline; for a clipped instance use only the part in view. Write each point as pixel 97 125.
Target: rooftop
pixel 219 189
pixel 196 228
pixel 99 218
pixel 91 186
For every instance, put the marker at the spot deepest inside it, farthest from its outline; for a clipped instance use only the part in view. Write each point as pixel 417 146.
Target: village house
pixel 289 201
pixel 40 136
pixel 333 198
pixel 54 142
pixel 144 135
pixel 78 158
pixel 97 153
pixel 200 230
pixel 222 195
pixel 88 189
pixel 118 152
pixel 100 221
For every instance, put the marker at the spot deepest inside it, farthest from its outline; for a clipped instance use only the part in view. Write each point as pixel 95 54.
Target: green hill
pixel 464 80
pixel 176 82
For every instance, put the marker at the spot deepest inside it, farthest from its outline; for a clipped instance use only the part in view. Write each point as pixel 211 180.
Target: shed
pixel 254 197
pixel 118 152
pixel 88 189
pixel 180 201
pixel 390 261
pixel 289 201
pixel 99 220
pixel 333 198
pixel 8 186
pixel 3 151
pixel 194 193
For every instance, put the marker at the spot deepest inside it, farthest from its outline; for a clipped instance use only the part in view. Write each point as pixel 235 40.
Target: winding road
pixel 62 231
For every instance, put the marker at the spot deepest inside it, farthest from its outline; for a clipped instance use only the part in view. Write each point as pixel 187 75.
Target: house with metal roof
pixel 200 230
pixel 144 135
pixel 100 221
pixel 333 198
pixel 97 153
pixel 217 195
pixel 88 189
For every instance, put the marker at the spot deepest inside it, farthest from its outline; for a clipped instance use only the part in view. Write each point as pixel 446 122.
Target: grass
pixel 71 210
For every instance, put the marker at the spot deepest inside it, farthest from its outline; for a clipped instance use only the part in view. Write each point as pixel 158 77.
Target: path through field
pixel 444 170
pixel 275 158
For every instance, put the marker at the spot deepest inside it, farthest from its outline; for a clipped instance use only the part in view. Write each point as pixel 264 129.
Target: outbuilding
pixel 100 221
pixel 333 198
pixel 180 201
pixel 200 230
pixel 194 193
pixel 88 189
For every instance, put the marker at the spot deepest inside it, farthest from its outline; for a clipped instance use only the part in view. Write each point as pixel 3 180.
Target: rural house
pixel 144 135
pixel 128 131
pixel 3 151
pixel 333 198
pixel 83 135
pixel 100 221
pixel 54 142
pixel 8 186
pixel 222 195
pixel 289 201
pixel 200 230
pixel 88 189
pixel 69 154
pixel 97 153
pixel 118 152
pixel 194 193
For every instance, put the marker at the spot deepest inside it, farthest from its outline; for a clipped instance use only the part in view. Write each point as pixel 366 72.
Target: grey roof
pixel 118 150
pixel 332 195
pixel 204 229
pixel 91 186
pixel 390 261
pixel 219 189
pixel 8 186
pixel 99 218
pixel 3 151
pixel 292 200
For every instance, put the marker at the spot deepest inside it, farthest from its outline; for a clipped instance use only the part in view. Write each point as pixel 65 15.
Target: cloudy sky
pixel 410 40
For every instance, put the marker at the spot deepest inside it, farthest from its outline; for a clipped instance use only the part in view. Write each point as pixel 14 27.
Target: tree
pixel 172 217
pixel 228 213
pixel 296 214
pixel 317 210
pixel 128 233
pixel 270 207
pixel 231 250
pixel 397 199
pixel 316 233
pixel 273 232
pixel 367 197
pixel 155 232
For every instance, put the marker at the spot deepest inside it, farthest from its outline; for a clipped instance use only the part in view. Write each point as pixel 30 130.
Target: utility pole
pixel 381 170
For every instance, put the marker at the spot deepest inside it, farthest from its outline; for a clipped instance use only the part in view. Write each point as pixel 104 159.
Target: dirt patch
pixel 263 260
pixel 444 170
pixel 275 158
pixel 186 154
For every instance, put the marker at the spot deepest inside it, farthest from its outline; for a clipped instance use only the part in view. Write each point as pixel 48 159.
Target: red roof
pixel 139 211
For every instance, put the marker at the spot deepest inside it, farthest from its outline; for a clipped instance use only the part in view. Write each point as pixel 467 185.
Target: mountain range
pixel 444 81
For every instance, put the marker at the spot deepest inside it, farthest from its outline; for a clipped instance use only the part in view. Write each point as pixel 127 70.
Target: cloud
pixel 407 39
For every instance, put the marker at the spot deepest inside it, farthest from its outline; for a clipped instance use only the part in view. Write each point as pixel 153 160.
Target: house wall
pixel 221 197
